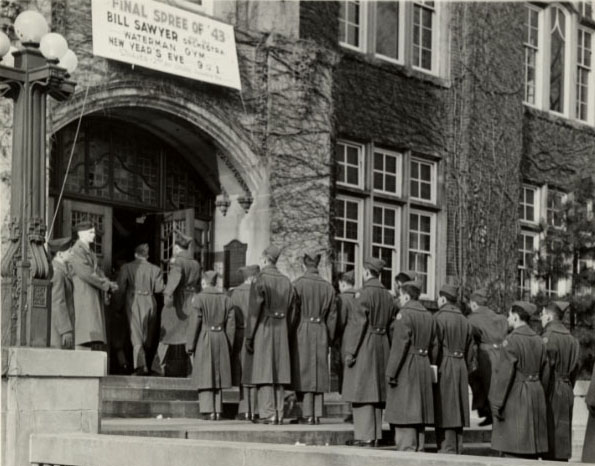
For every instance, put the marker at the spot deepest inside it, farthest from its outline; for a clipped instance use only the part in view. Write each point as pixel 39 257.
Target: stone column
pixel 48 391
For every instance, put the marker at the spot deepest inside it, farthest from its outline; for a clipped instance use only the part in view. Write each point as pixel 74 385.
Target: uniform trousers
pixel 367 421
pixel 410 437
pixel 271 398
pixel 248 404
pixel 171 360
pixel 141 329
pixel 450 440
pixel 210 401
pixel 312 404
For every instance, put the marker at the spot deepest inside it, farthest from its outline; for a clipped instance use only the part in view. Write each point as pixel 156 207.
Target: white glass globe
pixel 53 46
pixel 30 26
pixel 4 44
pixel 69 61
pixel 8 59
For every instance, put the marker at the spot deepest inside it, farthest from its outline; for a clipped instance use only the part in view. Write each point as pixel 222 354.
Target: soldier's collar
pixel 312 270
pixel 349 291
pixel 211 290
pixel 557 327
pixel 448 307
pixel 184 253
pixel 524 330
pixel 373 282
pixel 414 305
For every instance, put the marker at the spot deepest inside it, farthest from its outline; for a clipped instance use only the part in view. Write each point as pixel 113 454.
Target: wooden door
pixel 74 212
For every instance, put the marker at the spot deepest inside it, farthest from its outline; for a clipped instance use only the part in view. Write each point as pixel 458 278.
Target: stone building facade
pixel 406 130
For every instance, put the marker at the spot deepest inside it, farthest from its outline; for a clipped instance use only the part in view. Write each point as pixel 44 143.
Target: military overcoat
pixel 62 303
pixel 589 443
pixel 563 356
pixel 183 281
pixel 211 329
pixel 517 394
pixel 453 354
pixel 241 360
pixel 271 304
pixel 366 338
pixel 346 306
pixel 410 401
pixel 88 282
pixel 313 327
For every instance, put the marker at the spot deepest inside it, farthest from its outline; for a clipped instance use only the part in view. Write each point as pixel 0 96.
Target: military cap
pixel 406 276
pixel 413 284
pixel 450 291
pixel 59 244
pixel 528 307
pixel 84 226
pixel 479 296
pixel 272 252
pixel 210 277
pixel 374 264
pixel 182 240
pixel 561 305
pixel 142 250
pixel 249 271
pixel 313 254
pixel 348 277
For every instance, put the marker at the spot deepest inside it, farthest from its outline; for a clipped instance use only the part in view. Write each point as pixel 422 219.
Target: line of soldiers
pixel 270 334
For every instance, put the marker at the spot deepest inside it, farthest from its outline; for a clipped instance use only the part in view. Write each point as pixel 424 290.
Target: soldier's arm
pixel 400 346
pixel 503 377
pixel 60 305
pixel 194 324
pixel 547 367
pixel 230 325
pixel 436 342
pixel 255 307
pixel 158 285
pixel 332 318
pixel 390 327
pixel 470 350
pixel 86 273
pixel 173 280
pixel 575 362
pixel 357 323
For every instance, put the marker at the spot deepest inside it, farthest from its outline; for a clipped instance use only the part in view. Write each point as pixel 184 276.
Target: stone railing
pixel 109 450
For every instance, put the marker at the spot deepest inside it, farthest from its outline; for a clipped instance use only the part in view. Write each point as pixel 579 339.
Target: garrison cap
pixel 374 264
pixel 142 250
pixel 182 240
pixel 249 271
pixel 528 307
pixel 348 277
pixel 450 291
pixel 313 254
pixel 406 276
pixel 59 244
pixel 272 252
pixel 561 305
pixel 84 226
pixel 479 296
pixel 414 284
pixel 210 276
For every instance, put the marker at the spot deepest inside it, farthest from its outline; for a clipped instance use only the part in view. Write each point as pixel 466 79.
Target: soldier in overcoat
pixel 183 281
pixel 563 356
pixel 489 331
pixel 211 329
pixel 89 282
pixel 138 281
pixel 345 307
pixel 62 320
pixel 366 348
pixel 453 353
pixel 517 394
pixel 410 406
pixel 241 360
pixel 589 443
pixel 271 302
pixel 312 329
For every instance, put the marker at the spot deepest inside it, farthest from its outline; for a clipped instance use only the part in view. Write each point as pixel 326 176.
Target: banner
pixel 164 38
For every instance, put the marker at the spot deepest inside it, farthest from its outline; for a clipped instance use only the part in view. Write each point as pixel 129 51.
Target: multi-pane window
pixel 557 59
pixel 586 9
pixel 527 247
pixel 350 24
pixel 555 214
pixel 385 230
pixel 423 20
pixel 531 48
pixel 528 204
pixel 348 221
pixel 386 172
pixel 388 30
pixel 583 73
pixel 422 181
pixel 421 247
pixel 349 159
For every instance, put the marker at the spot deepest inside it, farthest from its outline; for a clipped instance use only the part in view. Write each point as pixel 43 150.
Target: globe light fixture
pixel 69 61
pixel 4 44
pixel 30 26
pixel 53 46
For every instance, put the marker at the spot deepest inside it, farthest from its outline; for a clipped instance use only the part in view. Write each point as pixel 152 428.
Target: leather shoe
pixel 268 420
pixel 297 420
pixel 212 417
pixel 218 416
pixel 255 417
pixel 486 422
pixel 361 443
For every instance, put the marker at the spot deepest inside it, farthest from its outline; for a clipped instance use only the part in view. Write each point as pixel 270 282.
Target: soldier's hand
pixel 497 414
pixel 113 286
pixel 349 360
pixel 391 381
pixel 68 340
pixel 249 345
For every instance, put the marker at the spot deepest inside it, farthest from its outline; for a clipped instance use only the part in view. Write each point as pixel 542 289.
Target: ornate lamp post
pixel 27 75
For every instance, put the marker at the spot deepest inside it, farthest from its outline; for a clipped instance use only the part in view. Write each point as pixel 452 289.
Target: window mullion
pixel 408 33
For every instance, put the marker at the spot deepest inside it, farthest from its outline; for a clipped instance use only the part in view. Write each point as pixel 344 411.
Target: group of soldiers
pixel 399 360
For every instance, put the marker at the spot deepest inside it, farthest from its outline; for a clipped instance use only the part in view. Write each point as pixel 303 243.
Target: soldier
pixel 345 308
pixel 62 334
pixel 589 444
pixel 313 327
pixel 89 282
pixel 400 279
pixel 183 281
pixel 271 301
pixel 563 354
pixel 517 395
pixel 241 360
pixel 452 354
pixel 489 331
pixel 211 329
pixel 138 281
pixel 409 375
pixel 366 347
